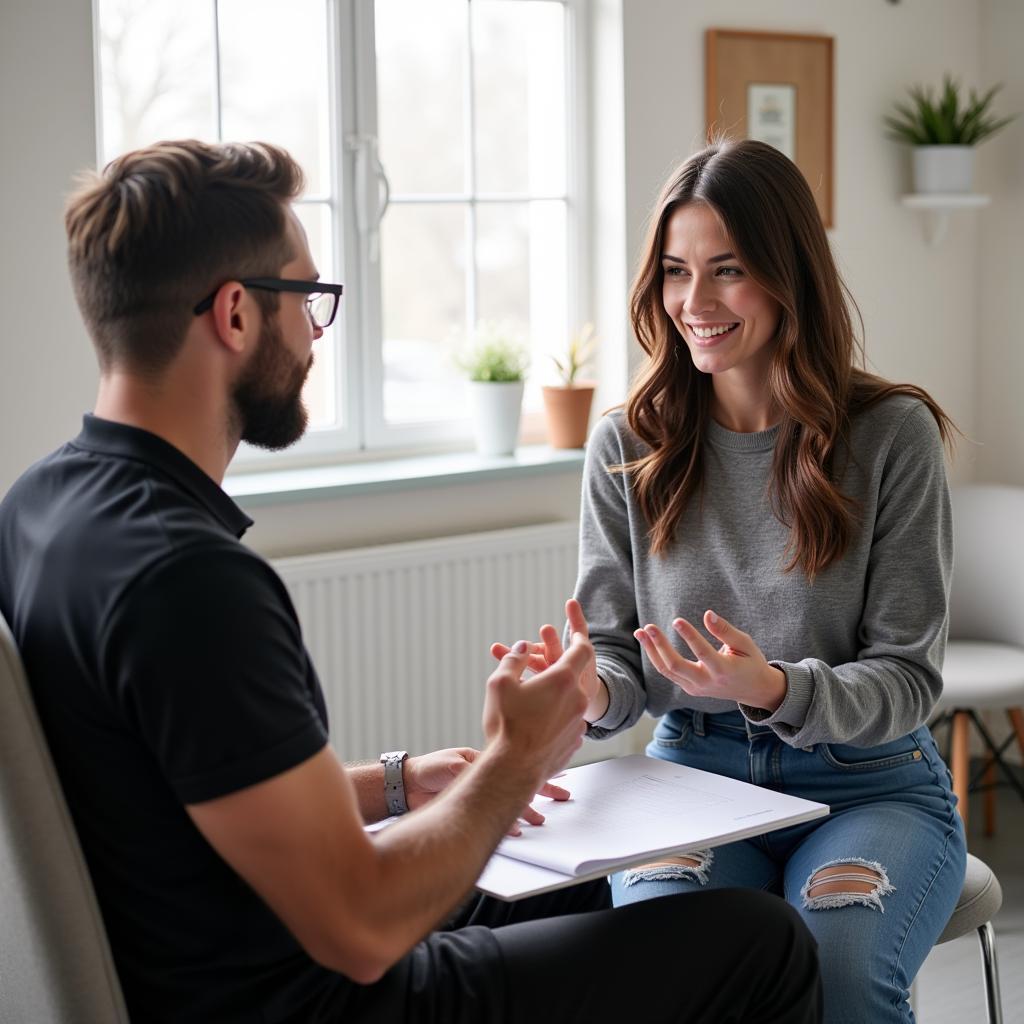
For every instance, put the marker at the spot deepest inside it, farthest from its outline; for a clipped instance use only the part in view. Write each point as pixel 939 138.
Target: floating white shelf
pixel 937 207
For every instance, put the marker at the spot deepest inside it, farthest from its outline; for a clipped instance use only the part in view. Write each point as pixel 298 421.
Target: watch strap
pixel 394 783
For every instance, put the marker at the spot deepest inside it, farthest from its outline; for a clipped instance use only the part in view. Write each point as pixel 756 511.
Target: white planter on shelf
pixel 496 408
pixel 943 169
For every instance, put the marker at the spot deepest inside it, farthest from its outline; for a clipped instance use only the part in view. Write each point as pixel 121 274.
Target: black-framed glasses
pixel 322 299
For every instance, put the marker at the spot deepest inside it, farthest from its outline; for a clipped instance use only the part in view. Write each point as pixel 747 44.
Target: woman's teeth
pixel 711 332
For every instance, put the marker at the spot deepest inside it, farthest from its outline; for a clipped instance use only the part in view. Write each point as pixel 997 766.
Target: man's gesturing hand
pixel 549 650
pixel 539 719
pixel 426 775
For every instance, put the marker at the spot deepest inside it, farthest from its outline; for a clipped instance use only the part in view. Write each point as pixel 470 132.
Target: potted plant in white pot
pixel 567 405
pixel 944 131
pixel 496 369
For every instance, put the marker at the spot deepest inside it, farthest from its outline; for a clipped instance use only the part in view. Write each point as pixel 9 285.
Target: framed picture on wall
pixel 775 87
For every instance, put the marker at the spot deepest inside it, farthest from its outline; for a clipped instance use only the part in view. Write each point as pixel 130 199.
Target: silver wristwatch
pixel 394 784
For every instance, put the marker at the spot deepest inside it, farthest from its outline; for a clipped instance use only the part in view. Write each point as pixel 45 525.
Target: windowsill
pixel 275 487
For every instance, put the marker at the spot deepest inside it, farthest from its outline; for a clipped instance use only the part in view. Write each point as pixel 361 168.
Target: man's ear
pixel 235 316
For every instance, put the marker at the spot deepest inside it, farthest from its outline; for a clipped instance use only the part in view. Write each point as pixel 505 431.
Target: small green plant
pixel 579 353
pixel 496 356
pixel 942 121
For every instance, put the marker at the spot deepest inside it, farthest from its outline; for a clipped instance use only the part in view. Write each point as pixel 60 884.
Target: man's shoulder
pixel 209 569
pixel 85 503
pixel 82 529
pixel 36 477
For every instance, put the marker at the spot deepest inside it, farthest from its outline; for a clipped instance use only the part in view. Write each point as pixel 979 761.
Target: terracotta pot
pixel 568 414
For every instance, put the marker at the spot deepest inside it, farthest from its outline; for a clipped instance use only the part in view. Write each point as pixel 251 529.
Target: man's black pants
pixel 703 958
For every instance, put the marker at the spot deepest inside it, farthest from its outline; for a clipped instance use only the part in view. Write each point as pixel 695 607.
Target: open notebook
pixel 626 811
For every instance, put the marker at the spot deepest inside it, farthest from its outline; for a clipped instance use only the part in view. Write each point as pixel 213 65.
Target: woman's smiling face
pixel 727 320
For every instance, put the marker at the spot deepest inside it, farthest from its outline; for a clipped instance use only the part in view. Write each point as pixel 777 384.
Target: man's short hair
pixel 160 228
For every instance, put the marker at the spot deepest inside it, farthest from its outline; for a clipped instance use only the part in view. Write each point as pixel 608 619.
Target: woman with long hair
pixel 762 484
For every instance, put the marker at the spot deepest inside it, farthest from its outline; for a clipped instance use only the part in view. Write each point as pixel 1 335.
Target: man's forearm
pixel 368 779
pixel 429 860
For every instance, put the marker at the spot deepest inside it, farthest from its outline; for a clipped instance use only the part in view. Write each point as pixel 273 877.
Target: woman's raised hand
pixel 735 671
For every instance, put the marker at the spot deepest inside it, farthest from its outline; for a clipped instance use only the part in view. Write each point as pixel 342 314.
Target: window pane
pixel 320 392
pixel 502 262
pixel 519 82
pixel 274 85
pixel 420 69
pixel 423 286
pixel 157 72
pixel 522 279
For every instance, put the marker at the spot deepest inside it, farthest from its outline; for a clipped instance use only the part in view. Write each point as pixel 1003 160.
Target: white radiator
pixel 399 634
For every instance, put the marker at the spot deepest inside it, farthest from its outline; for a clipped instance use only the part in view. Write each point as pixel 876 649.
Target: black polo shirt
pixel 168 668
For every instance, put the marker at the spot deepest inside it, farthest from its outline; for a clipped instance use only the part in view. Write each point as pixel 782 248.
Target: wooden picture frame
pixel 778 87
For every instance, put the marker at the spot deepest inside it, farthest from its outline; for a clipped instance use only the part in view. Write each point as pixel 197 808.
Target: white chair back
pixel 987 598
pixel 55 963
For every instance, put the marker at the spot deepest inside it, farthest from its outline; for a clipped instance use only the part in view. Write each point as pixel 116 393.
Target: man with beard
pixel 224 838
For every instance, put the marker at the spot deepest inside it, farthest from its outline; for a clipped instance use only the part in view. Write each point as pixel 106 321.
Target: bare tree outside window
pixel 157 72
pixel 165 65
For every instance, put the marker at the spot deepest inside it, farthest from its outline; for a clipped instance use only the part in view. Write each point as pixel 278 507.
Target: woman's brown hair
pixel 816 380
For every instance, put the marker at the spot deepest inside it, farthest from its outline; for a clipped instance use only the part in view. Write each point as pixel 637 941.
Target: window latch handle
pixel 369 172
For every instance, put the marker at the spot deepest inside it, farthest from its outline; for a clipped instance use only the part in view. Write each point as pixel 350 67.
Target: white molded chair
pixel 55 963
pixel 984 666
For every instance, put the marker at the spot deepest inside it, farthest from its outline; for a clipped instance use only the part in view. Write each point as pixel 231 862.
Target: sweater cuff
pixel 792 712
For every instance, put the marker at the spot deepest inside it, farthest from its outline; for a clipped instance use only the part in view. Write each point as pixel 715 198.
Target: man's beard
pixel 267 397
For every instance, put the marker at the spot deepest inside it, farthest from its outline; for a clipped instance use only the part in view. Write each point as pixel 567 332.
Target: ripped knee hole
pixel 847 883
pixel 692 867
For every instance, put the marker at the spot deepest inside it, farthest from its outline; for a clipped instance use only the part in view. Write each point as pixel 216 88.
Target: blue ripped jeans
pixel 892 819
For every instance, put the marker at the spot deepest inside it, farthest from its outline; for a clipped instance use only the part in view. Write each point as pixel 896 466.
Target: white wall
pixel 939 317
pixel 47 132
pixel 998 342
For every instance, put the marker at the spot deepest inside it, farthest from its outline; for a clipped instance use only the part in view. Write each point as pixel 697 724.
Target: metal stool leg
pixel 990 968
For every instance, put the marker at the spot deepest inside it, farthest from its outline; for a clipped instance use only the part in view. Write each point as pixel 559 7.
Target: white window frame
pixel 379 435
pixel 362 432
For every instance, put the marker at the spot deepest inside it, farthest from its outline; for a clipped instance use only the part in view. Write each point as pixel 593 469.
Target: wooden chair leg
pixel 960 768
pixel 990 798
pixel 1017 721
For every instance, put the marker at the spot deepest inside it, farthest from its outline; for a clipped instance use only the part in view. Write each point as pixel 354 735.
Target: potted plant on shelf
pixel 496 368
pixel 944 132
pixel 567 405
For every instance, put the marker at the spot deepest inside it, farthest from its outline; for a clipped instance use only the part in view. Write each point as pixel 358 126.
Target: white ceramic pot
pixel 496 410
pixel 943 169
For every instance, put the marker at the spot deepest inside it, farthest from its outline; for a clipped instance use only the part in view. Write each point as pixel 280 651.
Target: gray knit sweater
pixel 861 647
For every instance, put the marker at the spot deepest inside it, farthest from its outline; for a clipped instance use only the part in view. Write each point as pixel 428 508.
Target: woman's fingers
pixel 652 641
pixel 703 650
pixel 667 660
pixel 551 643
pixel 538 659
pixel 730 671
pixel 732 637
pixel 577 620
